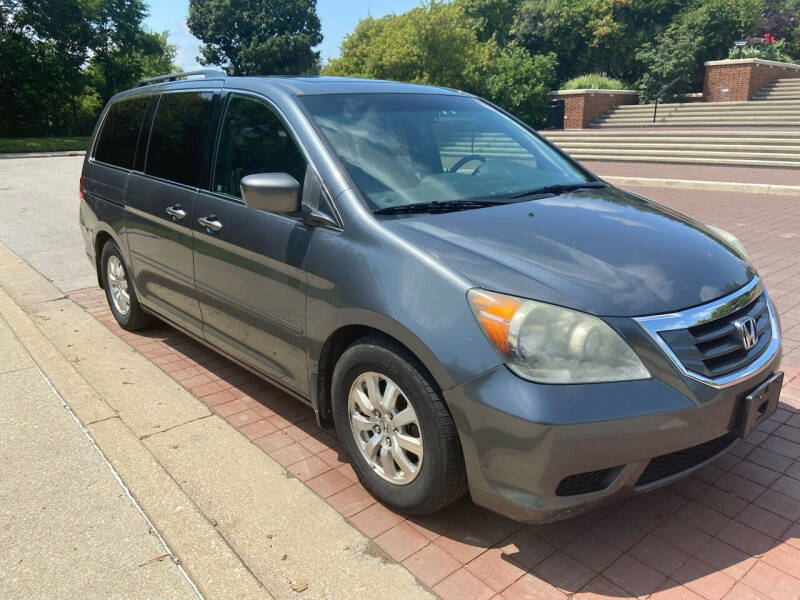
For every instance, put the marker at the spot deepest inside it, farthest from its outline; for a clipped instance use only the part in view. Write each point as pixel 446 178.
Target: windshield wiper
pixel 437 206
pixel 559 188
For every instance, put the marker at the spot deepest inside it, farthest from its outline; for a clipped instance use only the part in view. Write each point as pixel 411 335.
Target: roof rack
pixel 206 73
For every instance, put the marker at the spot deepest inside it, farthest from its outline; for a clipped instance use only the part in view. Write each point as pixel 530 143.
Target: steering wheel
pixel 468 158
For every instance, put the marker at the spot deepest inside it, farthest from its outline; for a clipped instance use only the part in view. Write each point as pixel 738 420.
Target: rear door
pixel 161 202
pixel 250 267
pixel 105 173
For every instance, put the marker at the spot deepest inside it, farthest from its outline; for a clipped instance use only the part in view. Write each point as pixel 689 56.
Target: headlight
pixel 730 239
pixel 550 344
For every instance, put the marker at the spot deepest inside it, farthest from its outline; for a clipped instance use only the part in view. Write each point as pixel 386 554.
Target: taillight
pixel 80 188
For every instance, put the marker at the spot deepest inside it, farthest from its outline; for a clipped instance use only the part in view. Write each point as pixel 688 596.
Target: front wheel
pixel 395 426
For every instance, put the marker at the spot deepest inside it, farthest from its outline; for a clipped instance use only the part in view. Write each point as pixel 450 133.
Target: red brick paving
pixel 730 531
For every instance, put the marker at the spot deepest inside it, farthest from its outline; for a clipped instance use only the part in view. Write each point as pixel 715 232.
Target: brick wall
pixel 739 80
pixel 581 107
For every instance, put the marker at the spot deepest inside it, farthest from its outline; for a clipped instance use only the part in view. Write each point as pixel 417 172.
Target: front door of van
pixel 250 265
pixel 161 207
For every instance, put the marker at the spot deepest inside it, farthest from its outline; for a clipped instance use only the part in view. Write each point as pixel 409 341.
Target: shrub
pixel 595 81
pixel 672 56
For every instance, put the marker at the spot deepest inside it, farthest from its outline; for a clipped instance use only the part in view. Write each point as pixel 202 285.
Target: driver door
pixel 249 264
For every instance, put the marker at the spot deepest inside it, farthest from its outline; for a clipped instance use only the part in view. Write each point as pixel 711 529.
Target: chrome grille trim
pixel 706 313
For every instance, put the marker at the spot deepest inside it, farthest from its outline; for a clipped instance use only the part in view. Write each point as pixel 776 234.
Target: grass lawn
pixel 43 144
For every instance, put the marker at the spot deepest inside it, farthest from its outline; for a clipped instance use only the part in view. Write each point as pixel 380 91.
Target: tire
pixel 134 318
pixel 440 476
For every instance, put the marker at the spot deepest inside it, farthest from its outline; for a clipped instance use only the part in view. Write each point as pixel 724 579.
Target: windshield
pixel 406 149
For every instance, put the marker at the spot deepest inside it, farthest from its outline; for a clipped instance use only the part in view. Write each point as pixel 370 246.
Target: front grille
pixel 715 348
pixel 583 483
pixel 670 464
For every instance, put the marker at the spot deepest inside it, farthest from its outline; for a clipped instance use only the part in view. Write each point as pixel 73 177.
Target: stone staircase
pixel 776 105
pixel 781 90
pixel 707 147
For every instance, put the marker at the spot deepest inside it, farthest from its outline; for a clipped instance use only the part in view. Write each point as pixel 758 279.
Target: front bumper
pixel 521 439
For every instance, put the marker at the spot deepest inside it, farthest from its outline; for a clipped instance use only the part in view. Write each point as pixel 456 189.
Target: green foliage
pixel 257 37
pixel 592 35
pixel 520 83
pixel 60 60
pixel 436 44
pixel 716 23
pixel 594 81
pixel 672 56
pixel 46 144
pixel 491 18
pixel 793 42
pixel 769 49
pixel 762 52
pixel 432 44
pixel 635 40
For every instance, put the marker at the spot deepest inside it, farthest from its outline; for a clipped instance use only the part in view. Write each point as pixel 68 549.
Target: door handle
pixel 176 211
pixel 210 222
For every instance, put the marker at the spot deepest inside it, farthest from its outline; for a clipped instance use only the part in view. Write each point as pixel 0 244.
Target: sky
pixel 338 18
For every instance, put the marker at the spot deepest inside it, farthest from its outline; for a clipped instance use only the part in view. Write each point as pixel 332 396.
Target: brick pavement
pixel 731 530
pixel 769 228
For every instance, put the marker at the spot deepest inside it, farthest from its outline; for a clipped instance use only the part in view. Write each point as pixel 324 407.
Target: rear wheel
pixel 119 292
pixel 395 426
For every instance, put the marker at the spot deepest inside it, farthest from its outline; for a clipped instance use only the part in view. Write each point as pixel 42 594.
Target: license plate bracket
pixel 760 404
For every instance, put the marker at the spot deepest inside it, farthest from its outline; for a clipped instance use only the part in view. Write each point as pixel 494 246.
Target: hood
pixel 603 251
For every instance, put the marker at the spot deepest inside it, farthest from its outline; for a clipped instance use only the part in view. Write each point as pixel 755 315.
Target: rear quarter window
pixel 179 137
pixel 119 134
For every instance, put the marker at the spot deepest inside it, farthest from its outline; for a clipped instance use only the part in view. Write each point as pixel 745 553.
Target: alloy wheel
pixel 385 427
pixel 118 285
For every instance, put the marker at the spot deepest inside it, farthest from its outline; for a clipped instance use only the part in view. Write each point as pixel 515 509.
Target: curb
pixel 199 480
pixel 201 551
pixel 12 155
pixel 717 186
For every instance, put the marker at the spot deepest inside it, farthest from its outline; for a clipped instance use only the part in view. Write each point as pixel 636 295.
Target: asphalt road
pixel 40 218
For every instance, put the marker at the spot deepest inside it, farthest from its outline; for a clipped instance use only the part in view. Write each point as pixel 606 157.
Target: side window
pixel 144 135
pixel 253 140
pixel 178 139
pixel 116 141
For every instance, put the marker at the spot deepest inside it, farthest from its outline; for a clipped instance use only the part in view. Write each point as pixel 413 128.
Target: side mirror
pixel 271 192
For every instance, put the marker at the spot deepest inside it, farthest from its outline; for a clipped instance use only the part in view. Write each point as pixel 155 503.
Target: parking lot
pixel 732 530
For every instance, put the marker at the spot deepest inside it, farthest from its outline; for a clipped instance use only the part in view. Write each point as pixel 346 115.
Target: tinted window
pixel 116 142
pixel 144 135
pixel 403 149
pixel 253 140
pixel 178 139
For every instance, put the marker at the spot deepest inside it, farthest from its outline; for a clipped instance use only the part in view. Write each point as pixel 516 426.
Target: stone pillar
pixel 581 107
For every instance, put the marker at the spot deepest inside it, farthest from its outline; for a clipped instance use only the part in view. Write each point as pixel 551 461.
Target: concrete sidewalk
pixel 68 528
pixel 693 172
pixel 239 524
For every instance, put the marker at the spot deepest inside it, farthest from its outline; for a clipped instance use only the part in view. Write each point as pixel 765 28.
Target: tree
pixel 117 66
pixel 436 44
pixel 672 56
pixel 432 44
pixel 592 35
pixel 521 83
pixel 257 37
pixel 491 18
pixel 60 60
pixel 716 24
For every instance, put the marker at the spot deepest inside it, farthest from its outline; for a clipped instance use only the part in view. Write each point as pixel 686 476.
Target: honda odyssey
pixel 467 306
